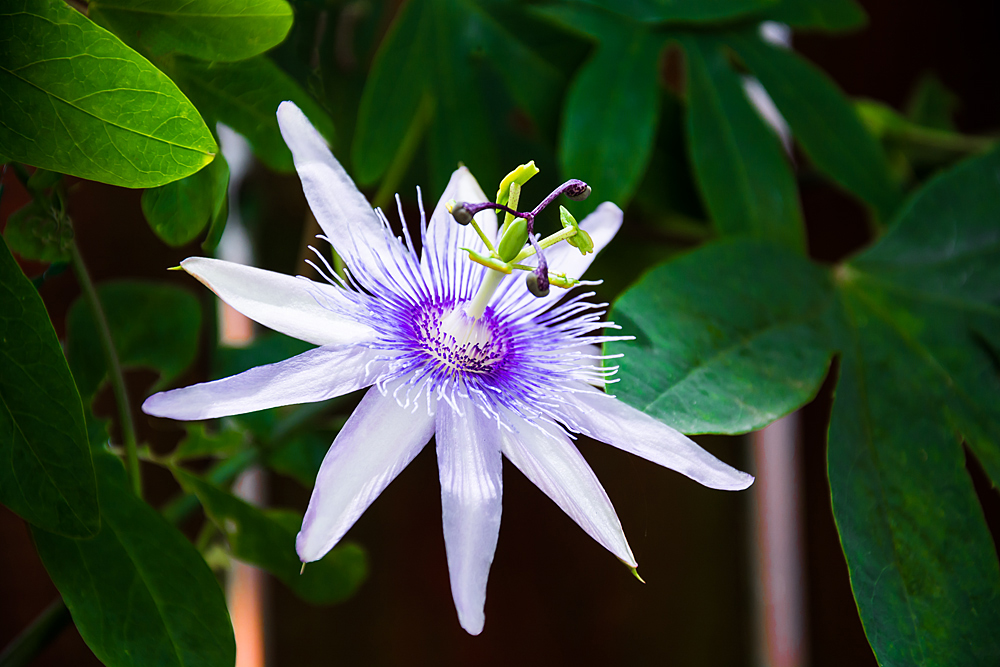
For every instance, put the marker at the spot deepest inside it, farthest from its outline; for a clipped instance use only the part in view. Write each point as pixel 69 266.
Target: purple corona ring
pixel 449 348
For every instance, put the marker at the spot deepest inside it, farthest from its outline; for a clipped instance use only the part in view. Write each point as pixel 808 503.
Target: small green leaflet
pixel 206 29
pixel 88 105
pixel 139 592
pixel 46 471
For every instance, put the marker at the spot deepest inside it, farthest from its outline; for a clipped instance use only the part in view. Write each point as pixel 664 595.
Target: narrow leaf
pixel 206 29
pixel 739 163
pixel 88 105
pixel 823 121
pixel 46 471
pixel 139 593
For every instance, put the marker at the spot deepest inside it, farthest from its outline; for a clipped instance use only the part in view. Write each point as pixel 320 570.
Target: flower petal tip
pixel 472 622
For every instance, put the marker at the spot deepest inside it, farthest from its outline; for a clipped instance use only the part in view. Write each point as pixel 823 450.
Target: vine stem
pixel 114 370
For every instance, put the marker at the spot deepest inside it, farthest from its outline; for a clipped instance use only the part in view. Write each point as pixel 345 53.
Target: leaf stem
pixel 25 647
pixel 114 370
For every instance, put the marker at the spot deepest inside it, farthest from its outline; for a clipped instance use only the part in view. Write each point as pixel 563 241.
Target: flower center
pixel 459 343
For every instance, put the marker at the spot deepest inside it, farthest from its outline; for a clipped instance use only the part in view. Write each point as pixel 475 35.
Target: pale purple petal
pixel 312 376
pixel 469 464
pixel 609 420
pixel 342 211
pixel 294 306
pixel 379 439
pixel 602 225
pixel 554 464
pixel 441 256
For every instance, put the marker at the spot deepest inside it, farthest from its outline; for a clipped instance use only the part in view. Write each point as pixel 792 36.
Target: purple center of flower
pixel 458 344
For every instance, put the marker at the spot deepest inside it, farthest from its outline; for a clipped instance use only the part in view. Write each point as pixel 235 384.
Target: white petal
pixel 377 442
pixel 312 376
pixel 602 225
pixel 469 464
pixel 555 466
pixel 609 420
pixel 293 306
pixel 342 211
pixel 445 237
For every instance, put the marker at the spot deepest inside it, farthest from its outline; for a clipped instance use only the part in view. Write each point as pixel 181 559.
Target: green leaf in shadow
pixel 46 470
pixel 178 212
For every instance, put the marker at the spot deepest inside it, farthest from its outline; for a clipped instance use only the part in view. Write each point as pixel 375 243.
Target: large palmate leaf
pixel 739 162
pixel 139 592
pixel 437 50
pixel 267 539
pixel 152 325
pixel 687 11
pixel 727 338
pixel 78 101
pixel 245 96
pixel 206 29
pixel 612 110
pixel 922 312
pixel 46 471
pixel 178 212
pixel 823 121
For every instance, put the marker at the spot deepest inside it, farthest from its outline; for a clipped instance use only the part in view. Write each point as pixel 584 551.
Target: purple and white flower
pixel 449 349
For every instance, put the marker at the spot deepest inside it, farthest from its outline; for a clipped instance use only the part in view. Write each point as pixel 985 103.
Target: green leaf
pixel 267 539
pixel 727 338
pixel 245 96
pixel 88 105
pixel 46 471
pixel 823 121
pixel 152 325
pixel 933 104
pixel 206 29
pixel 40 231
pixel 683 11
pixel 301 456
pixel 922 564
pixel 139 593
pixel 179 211
pixel 740 165
pixel 199 443
pixel 619 82
pixel 826 15
pixel 441 49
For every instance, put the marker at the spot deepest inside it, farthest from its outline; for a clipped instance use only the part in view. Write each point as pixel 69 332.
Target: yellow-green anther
pixel 489 262
pixel 513 240
pixel 562 281
pixel 581 240
pixel 521 175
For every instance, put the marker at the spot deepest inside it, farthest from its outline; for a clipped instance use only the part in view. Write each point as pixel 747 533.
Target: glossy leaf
pixel 439 49
pixel 923 567
pixel 46 471
pixel 245 96
pixel 267 539
pixel 179 211
pixel 686 11
pixel 139 593
pixel 823 121
pixel 619 83
pixel 153 325
pixel 90 106
pixel 727 338
pixel 740 165
pixel 826 15
pixel 206 29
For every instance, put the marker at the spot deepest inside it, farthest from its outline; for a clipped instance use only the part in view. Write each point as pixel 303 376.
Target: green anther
pixel 489 262
pixel 513 240
pixel 521 175
pixel 581 240
pixel 561 280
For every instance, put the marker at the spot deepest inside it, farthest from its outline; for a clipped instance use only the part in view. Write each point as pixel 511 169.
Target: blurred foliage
pixel 679 111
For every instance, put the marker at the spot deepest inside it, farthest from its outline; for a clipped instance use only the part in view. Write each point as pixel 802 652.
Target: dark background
pixel 555 596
